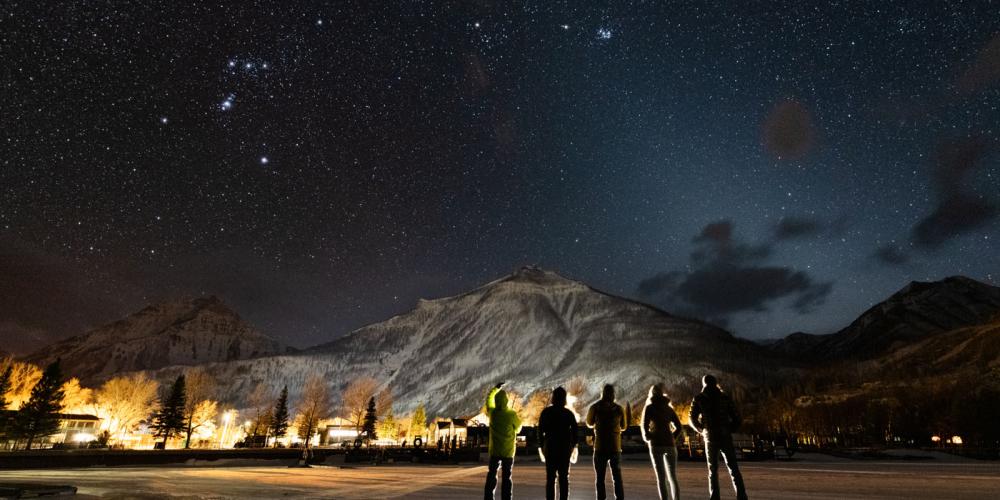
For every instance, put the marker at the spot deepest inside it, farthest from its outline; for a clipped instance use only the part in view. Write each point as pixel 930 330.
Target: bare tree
pixel 355 399
pixel 23 377
pixel 122 402
pixel 259 402
pixel 534 406
pixel 576 389
pixel 314 406
pixel 383 402
pixel 199 386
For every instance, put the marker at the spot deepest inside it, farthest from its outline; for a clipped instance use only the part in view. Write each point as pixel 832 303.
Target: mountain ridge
pixel 916 311
pixel 187 331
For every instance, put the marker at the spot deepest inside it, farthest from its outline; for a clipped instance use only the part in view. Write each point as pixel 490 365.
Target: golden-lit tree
pixel 388 426
pixel 576 389
pixel 534 406
pixel 122 402
pixel 259 402
pixel 354 401
pixel 313 407
pixel 418 423
pixel 76 399
pixel 203 419
pixel 199 387
pixel 23 377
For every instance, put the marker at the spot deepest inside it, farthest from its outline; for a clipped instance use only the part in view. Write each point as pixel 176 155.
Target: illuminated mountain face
pixel 534 330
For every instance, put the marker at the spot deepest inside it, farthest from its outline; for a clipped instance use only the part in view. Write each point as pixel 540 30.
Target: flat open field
pixel 802 479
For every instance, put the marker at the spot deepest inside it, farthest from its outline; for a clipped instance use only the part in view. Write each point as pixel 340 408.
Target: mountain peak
pixel 537 276
pixel 184 331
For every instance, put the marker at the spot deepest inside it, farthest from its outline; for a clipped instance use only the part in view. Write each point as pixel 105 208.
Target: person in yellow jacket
pixel 504 426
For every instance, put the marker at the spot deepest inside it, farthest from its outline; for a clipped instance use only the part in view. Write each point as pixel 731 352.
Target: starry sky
pixel 322 165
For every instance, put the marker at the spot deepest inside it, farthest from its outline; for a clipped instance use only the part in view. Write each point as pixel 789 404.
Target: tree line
pixel 32 402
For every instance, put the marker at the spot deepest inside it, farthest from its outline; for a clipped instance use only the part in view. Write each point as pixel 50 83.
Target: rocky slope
pixel 918 311
pixel 183 332
pixel 534 329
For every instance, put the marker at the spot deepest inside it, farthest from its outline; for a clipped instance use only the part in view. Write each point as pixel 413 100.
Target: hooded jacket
pixel 504 425
pixel 607 418
pixel 557 432
pixel 656 419
pixel 714 412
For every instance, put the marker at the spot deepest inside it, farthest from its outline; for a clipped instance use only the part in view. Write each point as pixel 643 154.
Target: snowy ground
pixel 809 478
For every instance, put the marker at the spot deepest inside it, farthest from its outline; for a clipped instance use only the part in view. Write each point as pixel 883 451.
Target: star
pixel 264 160
pixel 164 120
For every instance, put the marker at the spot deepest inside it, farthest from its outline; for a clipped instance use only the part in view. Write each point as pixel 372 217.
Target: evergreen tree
pixel 170 417
pixel 279 425
pixel 5 386
pixel 371 419
pixel 39 416
pixel 4 389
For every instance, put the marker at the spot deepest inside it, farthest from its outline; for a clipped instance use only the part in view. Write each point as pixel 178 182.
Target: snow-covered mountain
pixel 918 311
pixel 188 331
pixel 533 329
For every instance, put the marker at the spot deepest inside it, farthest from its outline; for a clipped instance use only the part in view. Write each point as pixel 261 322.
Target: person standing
pixel 607 418
pixel 714 415
pixel 556 443
pixel 660 430
pixel 504 426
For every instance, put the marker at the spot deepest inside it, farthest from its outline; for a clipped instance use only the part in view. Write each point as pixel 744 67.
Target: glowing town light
pixel 84 437
pixel 571 404
pixel 936 439
pixel 956 440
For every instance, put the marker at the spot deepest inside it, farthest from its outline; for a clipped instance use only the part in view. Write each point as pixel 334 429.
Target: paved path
pixel 765 480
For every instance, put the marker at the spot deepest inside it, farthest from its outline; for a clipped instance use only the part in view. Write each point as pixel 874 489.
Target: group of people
pixel 713 415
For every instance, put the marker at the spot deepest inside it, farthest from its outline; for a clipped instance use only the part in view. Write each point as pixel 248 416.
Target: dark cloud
pixel 47 297
pixel 958 210
pixel 727 277
pixel 891 254
pixel 788 132
pixel 984 72
pixel 796 227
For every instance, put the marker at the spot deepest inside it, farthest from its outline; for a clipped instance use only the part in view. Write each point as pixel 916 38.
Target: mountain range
pixel 536 329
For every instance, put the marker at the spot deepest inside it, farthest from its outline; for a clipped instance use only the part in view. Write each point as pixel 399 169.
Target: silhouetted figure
pixel 556 441
pixel 504 426
pixel 607 418
pixel 714 415
pixel 660 430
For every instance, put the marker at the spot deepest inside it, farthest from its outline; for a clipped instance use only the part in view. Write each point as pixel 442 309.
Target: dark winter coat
pixel 656 419
pixel 607 418
pixel 557 432
pixel 714 412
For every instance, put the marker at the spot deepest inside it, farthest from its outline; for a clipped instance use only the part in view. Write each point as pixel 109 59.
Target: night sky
pixel 322 165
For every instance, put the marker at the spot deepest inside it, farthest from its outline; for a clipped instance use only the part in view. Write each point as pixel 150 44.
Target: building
pixel 337 431
pixel 74 430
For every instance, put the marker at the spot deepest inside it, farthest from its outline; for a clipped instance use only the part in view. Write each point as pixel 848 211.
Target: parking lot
pixel 806 478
